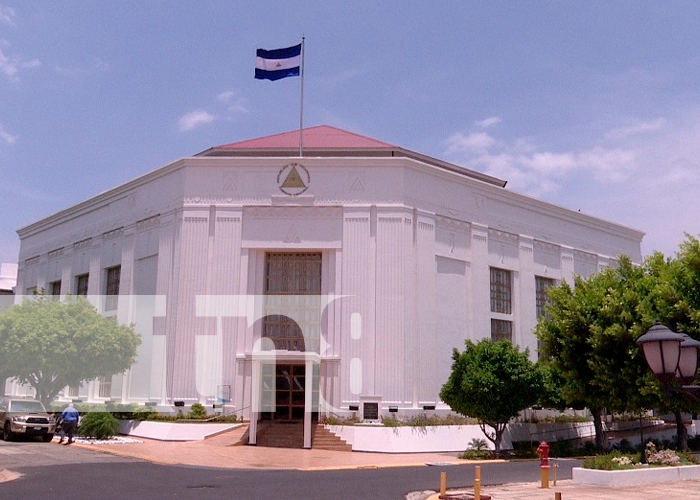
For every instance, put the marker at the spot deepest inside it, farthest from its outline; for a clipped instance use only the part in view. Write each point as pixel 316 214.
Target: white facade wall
pixel 408 245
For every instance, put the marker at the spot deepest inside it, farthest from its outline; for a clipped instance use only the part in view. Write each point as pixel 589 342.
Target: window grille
pixel 112 288
pixel 501 291
pixel 501 330
pixel 296 277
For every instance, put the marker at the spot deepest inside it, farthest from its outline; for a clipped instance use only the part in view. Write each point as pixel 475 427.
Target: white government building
pixel 342 278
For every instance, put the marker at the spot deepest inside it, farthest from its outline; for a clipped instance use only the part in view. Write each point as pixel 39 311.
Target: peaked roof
pixel 325 140
pixel 321 136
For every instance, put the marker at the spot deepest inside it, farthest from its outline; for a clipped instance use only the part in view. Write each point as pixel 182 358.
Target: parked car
pixel 25 417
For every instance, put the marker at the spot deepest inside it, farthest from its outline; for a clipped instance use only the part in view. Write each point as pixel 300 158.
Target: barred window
pixel 501 330
pixel 297 276
pixel 112 288
pixel 81 284
pixel 541 300
pixel 541 297
pixel 501 291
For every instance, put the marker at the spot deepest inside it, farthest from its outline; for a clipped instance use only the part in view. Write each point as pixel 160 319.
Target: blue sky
pixel 593 105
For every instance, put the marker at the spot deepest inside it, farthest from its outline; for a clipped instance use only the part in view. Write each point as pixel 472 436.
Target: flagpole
pixel 301 106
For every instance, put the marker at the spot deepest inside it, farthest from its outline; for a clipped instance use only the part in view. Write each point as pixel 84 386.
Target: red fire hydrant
pixel 543 452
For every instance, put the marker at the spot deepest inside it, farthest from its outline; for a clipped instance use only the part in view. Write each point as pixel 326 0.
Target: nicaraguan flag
pixel 278 63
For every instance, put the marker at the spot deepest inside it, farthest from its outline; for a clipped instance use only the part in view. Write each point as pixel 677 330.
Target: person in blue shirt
pixel 70 418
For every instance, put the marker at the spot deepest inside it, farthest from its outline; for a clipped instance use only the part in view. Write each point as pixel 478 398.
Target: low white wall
pixel 411 439
pixel 631 477
pixel 171 431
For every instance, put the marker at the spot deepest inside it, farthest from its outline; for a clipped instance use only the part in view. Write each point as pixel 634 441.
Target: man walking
pixel 70 418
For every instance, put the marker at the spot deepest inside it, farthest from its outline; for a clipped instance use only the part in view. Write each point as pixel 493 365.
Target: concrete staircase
pixel 323 439
pixel 291 435
pixel 281 434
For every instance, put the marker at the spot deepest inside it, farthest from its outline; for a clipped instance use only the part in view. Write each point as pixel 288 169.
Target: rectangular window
pixel 81 284
pixel 105 390
pixel 293 280
pixel 55 289
pixel 73 391
pixel 501 330
pixel 541 300
pixel 501 292
pixel 112 288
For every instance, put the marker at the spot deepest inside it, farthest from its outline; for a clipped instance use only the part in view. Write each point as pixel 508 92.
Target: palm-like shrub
pixel 99 425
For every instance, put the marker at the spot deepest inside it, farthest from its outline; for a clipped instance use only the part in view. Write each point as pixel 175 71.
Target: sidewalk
pixel 683 490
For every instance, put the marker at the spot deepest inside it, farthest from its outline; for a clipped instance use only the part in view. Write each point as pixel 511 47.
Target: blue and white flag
pixel 278 63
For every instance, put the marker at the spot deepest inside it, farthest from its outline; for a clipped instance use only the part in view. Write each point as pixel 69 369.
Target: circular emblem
pixel 293 179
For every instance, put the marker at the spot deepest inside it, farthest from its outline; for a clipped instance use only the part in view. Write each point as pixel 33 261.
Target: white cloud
pixel 488 122
pixel 475 142
pixel 194 119
pixel 637 128
pixel 97 66
pixel 6 136
pixel 235 105
pixel 643 174
pixel 7 15
pixel 10 66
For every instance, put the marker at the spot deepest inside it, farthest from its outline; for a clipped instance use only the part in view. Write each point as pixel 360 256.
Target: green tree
pixel 492 382
pixel 50 344
pixel 589 334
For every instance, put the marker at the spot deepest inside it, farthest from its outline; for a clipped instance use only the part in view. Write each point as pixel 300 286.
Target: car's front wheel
pixel 6 432
pixel 47 438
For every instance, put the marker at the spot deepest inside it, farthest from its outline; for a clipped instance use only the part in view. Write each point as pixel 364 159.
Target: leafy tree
pixel 50 344
pixel 590 333
pixel 492 382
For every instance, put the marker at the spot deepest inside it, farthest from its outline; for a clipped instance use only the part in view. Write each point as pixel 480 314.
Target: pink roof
pixel 324 140
pixel 320 137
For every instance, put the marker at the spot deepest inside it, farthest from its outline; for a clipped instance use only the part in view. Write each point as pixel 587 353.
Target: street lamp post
pixel 672 358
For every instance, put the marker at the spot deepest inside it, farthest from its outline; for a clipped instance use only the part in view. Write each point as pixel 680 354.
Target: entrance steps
pixel 323 439
pixel 281 434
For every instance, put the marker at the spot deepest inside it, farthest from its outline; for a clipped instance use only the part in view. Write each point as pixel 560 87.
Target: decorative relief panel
pixel 54 254
pixel 146 224
pixel 452 224
pixel 117 233
pixel 32 261
pixel 293 212
pixel 503 237
pixel 213 200
pixel 80 245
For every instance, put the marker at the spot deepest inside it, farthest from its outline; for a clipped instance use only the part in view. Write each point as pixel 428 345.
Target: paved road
pixel 53 471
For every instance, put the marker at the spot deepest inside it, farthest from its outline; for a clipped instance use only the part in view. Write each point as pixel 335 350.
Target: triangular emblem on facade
pixel 357 185
pixel 293 180
pixel 292 235
pixel 229 184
